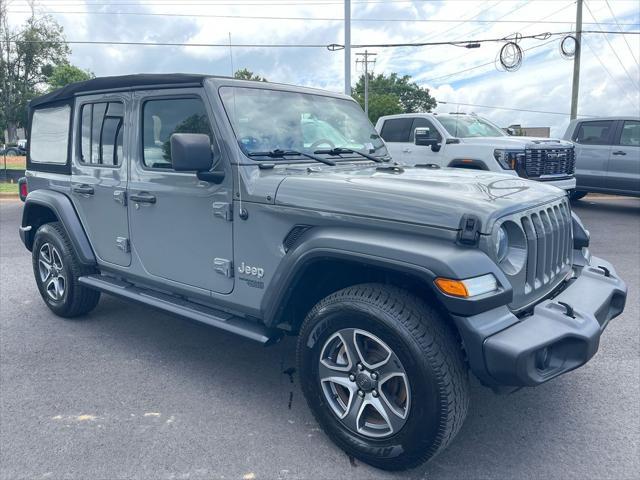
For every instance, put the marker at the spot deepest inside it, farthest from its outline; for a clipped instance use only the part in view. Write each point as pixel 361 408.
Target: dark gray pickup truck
pixel 264 210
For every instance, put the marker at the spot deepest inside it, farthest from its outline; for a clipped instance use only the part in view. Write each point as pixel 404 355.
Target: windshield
pixel 267 120
pixel 464 126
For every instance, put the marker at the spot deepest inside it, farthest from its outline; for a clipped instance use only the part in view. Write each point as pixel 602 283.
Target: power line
pixel 319 19
pixel 508 108
pixel 331 47
pixel 612 49
pixel 620 28
pixel 621 87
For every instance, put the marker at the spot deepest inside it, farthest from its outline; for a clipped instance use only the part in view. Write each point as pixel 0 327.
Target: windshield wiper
pixel 339 150
pixel 277 153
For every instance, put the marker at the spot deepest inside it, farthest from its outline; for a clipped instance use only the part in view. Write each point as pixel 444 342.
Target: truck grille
pixel 549 161
pixel 549 244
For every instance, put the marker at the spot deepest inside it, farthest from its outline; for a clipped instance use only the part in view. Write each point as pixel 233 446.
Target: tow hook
pixel 605 270
pixel 568 309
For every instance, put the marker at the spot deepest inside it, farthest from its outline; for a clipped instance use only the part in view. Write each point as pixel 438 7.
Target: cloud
pixel 542 83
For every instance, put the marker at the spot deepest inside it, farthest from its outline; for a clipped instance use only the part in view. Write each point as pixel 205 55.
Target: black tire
pixel 73 299
pixel 575 195
pixel 12 152
pixel 429 352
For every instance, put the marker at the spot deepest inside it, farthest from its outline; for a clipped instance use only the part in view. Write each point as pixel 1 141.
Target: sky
pixel 609 81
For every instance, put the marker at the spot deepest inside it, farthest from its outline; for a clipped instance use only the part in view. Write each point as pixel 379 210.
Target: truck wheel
pixel 577 195
pixel 56 269
pixel 383 374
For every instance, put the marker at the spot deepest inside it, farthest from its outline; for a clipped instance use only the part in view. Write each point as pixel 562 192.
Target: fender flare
pixel 419 256
pixel 66 214
pixel 472 163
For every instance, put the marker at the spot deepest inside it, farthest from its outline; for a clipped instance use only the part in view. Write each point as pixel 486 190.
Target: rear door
pixel 593 141
pixel 99 174
pixel 623 174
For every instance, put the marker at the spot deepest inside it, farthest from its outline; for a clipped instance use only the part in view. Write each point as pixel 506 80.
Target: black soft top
pixel 121 82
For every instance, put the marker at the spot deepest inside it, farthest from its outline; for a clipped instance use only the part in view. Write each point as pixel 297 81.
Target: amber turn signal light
pixel 452 287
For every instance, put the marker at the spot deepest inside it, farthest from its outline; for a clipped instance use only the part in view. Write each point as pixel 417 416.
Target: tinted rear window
pixel 50 135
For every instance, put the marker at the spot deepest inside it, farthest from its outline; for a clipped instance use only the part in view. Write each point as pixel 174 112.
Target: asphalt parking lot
pixel 131 393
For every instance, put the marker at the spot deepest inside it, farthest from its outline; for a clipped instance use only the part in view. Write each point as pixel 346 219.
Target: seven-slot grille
pixel 549 161
pixel 549 244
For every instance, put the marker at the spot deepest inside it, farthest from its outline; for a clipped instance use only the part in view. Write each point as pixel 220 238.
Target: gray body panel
pixel 610 167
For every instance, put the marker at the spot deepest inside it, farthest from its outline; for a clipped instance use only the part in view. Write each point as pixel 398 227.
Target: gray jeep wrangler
pixel 265 209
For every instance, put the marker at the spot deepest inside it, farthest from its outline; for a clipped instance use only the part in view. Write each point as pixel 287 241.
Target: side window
pixel 50 135
pixel 630 135
pixel 101 133
pixel 594 133
pixel 161 119
pixel 420 122
pixel 397 129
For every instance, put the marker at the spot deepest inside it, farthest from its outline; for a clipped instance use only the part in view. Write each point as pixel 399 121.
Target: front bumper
pixel 563 183
pixel 559 335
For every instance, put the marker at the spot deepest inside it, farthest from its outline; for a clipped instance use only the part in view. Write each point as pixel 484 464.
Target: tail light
pixel 23 188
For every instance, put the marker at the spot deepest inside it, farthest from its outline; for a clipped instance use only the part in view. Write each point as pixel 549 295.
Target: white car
pixel 469 141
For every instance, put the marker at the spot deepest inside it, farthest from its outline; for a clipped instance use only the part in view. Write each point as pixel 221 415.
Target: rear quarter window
pixel 49 140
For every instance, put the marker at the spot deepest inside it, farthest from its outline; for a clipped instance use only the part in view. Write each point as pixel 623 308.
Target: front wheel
pixel 383 375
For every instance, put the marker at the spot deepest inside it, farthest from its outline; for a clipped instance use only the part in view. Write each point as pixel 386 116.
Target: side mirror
pixel 422 136
pixel 510 131
pixel 191 152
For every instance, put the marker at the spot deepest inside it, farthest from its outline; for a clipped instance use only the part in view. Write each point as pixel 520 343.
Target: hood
pixel 434 197
pixel 517 142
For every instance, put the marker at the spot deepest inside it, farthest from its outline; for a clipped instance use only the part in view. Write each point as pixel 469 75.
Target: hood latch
pixel 469 230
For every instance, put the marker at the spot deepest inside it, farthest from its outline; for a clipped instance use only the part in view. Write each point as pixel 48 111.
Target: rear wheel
pixel 56 269
pixel 383 374
pixel 577 194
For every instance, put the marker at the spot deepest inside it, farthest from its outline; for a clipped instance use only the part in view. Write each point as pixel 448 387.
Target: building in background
pixel 544 132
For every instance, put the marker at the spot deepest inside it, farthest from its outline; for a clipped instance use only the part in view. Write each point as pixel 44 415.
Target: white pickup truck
pixel 469 141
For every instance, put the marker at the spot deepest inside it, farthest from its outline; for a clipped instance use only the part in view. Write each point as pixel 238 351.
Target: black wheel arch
pixel 46 206
pixel 326 260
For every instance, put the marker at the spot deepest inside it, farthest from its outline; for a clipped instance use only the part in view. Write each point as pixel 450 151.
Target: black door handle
pixel 142 197
pixel 83 189
pixel 619 152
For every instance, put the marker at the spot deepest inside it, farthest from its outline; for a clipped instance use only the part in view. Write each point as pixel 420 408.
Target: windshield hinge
pixel 223 210
pixel 469 230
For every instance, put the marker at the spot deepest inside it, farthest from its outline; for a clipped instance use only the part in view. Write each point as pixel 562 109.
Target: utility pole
pixel 576 62
pixel 366 62
pixel 347 47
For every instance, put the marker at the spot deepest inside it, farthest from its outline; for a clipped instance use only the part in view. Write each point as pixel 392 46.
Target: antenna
pixel 242 213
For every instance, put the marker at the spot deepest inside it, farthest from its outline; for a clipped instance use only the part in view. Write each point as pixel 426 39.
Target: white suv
pixel 470 141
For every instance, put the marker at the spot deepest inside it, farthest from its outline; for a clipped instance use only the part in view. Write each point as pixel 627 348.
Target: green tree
pixel 65 74
pixel 245 74
pixel 393 94
pixel 27 55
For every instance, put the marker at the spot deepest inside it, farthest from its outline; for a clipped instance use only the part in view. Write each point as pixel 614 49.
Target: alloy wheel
pixel 364 383
pixel 51 272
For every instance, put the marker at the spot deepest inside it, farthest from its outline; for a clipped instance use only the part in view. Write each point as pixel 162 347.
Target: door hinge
pixel 120 196
pixel 223 210
pixel 223 267
pixel 123 244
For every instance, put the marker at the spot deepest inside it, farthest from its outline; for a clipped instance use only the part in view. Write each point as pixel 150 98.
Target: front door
pixel 593 146
pixel 180 230
pixel 99 175
pixel 623 174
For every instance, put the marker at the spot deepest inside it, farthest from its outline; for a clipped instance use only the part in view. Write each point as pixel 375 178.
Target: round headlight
pixel 501 244
pixel 510 247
